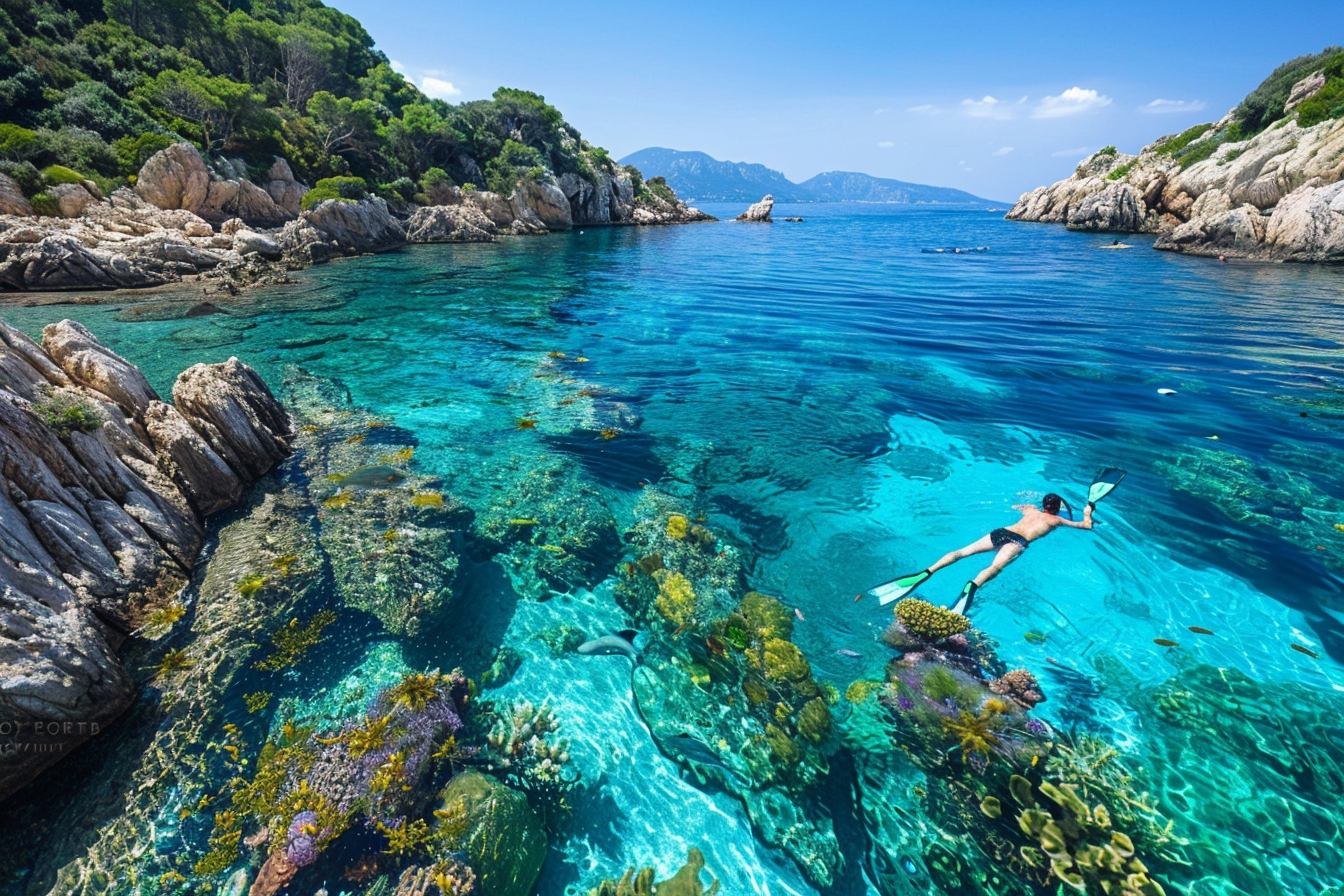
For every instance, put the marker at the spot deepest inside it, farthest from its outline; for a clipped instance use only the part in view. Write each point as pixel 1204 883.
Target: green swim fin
pixel 897 588
pixel 963 604
pixel 1104 484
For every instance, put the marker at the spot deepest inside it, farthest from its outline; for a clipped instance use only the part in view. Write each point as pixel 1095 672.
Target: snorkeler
pixel 1008 543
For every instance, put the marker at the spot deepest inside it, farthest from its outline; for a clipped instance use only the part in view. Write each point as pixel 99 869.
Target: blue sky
pixel 991 97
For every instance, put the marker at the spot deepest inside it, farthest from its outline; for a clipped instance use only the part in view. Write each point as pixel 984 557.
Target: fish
pixel 1200 630
pixel 1300 649
pixel 1166 642
pixel 1339 526
pixel 690 747
pixel 1166 391
pixel 1034 637
pixel 852 654
pixel 378 476
pixel 527 423
pixel 621 643
pixel 799 613
pixel 716 647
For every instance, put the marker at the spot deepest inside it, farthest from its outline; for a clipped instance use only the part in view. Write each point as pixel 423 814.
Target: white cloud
pixel 1071 102
pixel 1076 153
pixel 986 108
pixel 438 88
pixel 886 144
pixel 1003 150
pixel 925 109
pixel 1164 107
pixel 883 111
pixel 397 66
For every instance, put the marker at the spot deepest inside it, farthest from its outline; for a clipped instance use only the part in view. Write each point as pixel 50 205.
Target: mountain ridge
pixel 701 177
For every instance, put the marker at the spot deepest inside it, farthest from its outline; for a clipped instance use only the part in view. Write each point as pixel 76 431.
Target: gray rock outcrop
pixel 103 488
pixel 336 227
pixel 543 202
pixel 759 211
pixel 174 178
pixel 1274 196
pixel 450 224
pixel 12 200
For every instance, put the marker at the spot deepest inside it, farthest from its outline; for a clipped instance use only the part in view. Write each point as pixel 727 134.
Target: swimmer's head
pixel 1050 503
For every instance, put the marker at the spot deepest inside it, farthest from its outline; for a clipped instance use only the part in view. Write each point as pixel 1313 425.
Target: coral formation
pixel 1019 685
pixel 495 830
pixel 520 749
pixel 686 882
pixel 928 623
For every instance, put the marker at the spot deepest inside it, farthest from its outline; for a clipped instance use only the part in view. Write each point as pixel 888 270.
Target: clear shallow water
pixel 851 409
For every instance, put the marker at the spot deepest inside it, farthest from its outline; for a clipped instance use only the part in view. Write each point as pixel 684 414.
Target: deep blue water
pixel 853 408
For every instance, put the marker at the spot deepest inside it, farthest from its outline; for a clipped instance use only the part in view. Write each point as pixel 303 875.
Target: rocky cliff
pixel 103 490
pixel 188 218
pixel 1276 195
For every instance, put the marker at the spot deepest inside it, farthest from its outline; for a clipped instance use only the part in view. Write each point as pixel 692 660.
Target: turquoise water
pixel 847 408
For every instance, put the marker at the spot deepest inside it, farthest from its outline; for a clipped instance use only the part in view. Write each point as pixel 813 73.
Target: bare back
pixel 1036 523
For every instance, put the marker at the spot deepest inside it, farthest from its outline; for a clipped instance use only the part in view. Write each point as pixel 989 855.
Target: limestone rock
pixel 545 201
pixel 759 211
pixel 285 191
pixel 1304 90
pixel 492 205
pixel 249 242
pixel 336 227
pixel 234 410
pixel 87 362
pixel 93 520
pixel 1234 202
pixel 12 200
pixel 175 177
pixel 450 224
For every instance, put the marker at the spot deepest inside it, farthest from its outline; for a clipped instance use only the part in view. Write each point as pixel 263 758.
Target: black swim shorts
pixel 1001 537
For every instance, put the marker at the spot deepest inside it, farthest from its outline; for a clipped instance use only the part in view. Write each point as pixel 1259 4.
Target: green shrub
pixel 350 189
pixel 59 174
pixel 16 144
pixel 1121 172
pixel 1264 105
pixel 1328 103
pixel 1182 140
pixel 468 188
pixel 403 188
pixel 134 152
pixel 1108 151
pixel 1199 152
pixel 45 204
pixel 66 413
pixel 25 174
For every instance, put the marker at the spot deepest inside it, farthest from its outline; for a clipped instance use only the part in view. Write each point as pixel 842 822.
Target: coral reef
pixel 1020 686
pixel 391 555
pixel 548 525
pixel 520 749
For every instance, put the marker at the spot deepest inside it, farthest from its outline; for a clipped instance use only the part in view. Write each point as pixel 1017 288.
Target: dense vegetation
pixel 1264 105
pixel 97 86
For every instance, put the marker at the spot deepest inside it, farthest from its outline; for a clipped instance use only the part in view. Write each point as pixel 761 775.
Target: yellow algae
pixel 678 526
pixel 676 598
pixel 523 522
pixel 257 701
pixel 555 354
pixel 525 423
pixel 1339 526
pixel 251 584
pixel 375 424
pixel 337 477
pixel 284 563
pixel 340 499
pixel 581 359
pixel 427 499
pixel 391 535
pixel 399 457
pixel 610 434
pixel 553 548
pixel 355 439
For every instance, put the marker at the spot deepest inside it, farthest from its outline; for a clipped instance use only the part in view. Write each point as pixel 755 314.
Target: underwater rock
pixel 501 835
pixel 548 525
pixel 394 542
pixel 101 523
pixel 151 768
pixel 1020 685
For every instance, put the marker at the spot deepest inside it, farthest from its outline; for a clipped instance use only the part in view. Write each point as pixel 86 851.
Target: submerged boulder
pixel 503 838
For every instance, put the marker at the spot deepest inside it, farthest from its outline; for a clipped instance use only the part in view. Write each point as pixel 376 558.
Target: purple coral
pixel 905 704
pixel 301 849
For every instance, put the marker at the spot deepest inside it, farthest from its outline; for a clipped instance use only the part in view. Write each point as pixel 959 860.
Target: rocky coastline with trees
pixel 1263 182
pixel 144 142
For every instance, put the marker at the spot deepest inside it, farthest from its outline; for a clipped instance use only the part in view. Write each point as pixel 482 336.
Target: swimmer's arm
pixel 1085 523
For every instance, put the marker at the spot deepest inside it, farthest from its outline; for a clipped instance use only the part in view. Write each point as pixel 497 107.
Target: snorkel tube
pixel 1068 507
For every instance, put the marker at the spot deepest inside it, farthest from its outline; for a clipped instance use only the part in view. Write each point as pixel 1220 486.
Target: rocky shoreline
pixel 189 219
pixel 105 492
pixel 1277 196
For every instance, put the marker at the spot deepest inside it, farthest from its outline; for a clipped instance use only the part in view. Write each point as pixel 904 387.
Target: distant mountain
pixel 699 177
pixel 851 186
